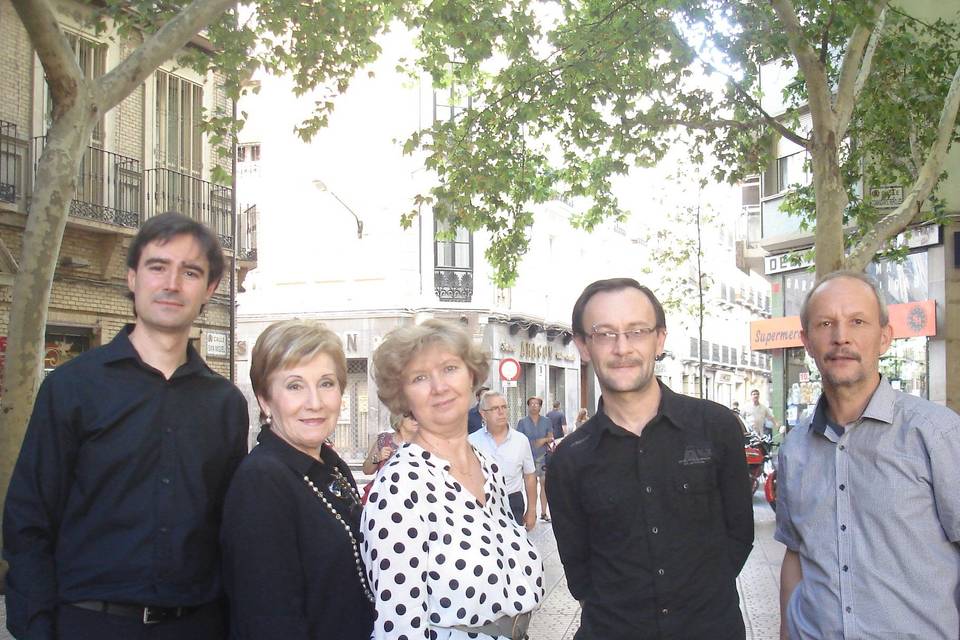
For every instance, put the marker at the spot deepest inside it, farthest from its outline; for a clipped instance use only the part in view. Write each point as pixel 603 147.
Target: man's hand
pixel 529 519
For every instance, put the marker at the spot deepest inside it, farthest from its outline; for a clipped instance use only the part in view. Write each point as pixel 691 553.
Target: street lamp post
pixel 320 185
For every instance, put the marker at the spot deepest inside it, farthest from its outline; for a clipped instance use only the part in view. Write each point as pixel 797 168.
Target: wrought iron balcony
pixel 206 202
pixel 453 284
pixel 109 186
pixel 13 151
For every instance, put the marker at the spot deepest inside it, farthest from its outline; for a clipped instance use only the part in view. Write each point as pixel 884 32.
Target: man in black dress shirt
pixel 112 517
pixel 650 498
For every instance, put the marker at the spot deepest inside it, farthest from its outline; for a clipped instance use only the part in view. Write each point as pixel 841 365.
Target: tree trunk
pixel 831 201
pixel 53 189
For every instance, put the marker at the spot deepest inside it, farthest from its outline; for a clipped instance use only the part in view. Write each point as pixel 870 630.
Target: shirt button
pixel 843 527
pixel 846 568
pixel 686 485
pixel 165 480
pixel 842 447
pixel 649 489
pixel 848 609
pixel 640 450
pixel 664 611
pixel 654 530
pixel 842 487
pixel 169 429
pixel 164 530
pixel 660 572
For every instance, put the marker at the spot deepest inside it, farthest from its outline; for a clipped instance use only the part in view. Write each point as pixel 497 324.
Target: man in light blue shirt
pixel 867 500
pixel 511 450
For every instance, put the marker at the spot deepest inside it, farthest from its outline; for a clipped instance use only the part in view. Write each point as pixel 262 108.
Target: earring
pixel 269 419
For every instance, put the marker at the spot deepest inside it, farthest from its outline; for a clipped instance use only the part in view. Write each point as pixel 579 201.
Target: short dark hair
pixel 532 398
pixel 165 226
pixel 613 284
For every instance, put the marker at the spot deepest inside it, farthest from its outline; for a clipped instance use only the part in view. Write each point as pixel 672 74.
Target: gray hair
pixel 854 275
pixel 484 405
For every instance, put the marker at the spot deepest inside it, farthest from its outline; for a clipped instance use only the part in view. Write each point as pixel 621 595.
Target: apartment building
pixel 146 156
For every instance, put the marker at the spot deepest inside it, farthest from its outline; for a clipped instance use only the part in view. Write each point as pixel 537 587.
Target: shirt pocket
pixel 696 487
pixel 609 513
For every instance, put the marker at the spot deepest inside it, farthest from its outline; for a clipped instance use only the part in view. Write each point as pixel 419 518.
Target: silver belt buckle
pixel 147 617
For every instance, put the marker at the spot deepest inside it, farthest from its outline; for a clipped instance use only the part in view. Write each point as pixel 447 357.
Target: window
pixel 694 350
pixel 248 152
pixel 91 56
pixel 179 142
pixel 456 252
pixel 791 171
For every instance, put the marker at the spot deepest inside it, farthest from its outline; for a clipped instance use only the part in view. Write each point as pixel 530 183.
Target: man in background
pixel 511 450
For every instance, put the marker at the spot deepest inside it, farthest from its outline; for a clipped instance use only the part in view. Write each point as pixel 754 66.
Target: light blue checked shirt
pixel 874 513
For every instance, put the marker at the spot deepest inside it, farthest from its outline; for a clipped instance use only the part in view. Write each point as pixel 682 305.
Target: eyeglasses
pixel 499 407
pixel 607 338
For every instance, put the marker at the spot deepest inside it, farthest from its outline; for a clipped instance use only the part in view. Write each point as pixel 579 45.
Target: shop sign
pixel 908 320
pixel 506 347
pixel 887 196
pixel 532 351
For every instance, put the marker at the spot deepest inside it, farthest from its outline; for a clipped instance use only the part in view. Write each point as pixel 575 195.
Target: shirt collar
pixel 880 407
pixel 297 460
pixel 120 348
pixel 670 411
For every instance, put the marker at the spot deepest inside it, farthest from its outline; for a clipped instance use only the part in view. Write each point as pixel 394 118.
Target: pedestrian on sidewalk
pixel 539 431
pixel 112 518
pixel 650 498
pixel 511 450
pixel 867 500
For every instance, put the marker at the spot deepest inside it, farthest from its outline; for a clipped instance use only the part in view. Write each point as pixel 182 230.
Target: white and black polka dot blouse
pixel 436 558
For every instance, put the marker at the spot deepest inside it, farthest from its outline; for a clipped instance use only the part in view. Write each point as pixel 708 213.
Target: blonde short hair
pixel 401 345
pixel 286 344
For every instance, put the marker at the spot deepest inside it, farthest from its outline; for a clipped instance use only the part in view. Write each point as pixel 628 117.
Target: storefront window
pixel 803 385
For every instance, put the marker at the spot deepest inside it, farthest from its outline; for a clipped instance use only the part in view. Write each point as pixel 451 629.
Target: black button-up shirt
pixel 653 530
pixel 119 486
pixel 291 570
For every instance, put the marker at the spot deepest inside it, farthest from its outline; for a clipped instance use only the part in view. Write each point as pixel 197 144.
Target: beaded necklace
pixel 340 481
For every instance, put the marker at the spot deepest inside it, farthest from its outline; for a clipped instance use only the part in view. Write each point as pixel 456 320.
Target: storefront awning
pixel 908 320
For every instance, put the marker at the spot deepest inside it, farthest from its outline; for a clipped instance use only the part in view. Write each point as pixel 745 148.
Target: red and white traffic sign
pixel 509 369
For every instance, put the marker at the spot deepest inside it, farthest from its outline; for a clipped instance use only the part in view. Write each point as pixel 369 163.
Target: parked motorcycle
pixel 758 451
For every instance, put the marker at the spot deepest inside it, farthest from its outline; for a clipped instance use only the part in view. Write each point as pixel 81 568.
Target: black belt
pixel 146 614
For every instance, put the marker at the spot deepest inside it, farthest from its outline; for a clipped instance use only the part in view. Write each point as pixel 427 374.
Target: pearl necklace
pixel 346 527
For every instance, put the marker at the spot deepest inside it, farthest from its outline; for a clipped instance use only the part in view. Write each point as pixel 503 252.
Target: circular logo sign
pixel 509 369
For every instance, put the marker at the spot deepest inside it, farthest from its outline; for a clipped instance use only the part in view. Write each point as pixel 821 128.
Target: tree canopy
pixel 568 96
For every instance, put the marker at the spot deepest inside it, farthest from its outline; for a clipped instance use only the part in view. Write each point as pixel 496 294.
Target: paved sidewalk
pixel 759 585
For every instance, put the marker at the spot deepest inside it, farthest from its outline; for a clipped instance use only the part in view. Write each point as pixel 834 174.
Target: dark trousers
pixel 517 505
pixel 73 623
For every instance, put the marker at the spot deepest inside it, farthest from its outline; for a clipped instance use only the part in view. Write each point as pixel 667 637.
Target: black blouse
pixel 290 569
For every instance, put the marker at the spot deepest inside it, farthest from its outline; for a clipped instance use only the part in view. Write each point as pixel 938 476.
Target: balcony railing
pixel 453 284
pixel 206 202
pixel 12 153
pixel 109 186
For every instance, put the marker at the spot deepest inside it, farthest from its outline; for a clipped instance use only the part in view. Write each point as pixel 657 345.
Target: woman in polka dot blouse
pixel 444 557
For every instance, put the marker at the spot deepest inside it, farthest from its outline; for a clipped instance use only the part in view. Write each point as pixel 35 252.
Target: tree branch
pixel 814 72
pixel 855 67
pixel 47 38
pixel 897 219
pixel 157 49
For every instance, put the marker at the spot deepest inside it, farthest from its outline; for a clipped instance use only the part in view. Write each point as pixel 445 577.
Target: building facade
pixel 923 289
pixel 147 156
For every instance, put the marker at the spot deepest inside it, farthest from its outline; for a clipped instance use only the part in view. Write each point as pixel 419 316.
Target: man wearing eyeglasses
pixel 650 498
pixel 511 450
